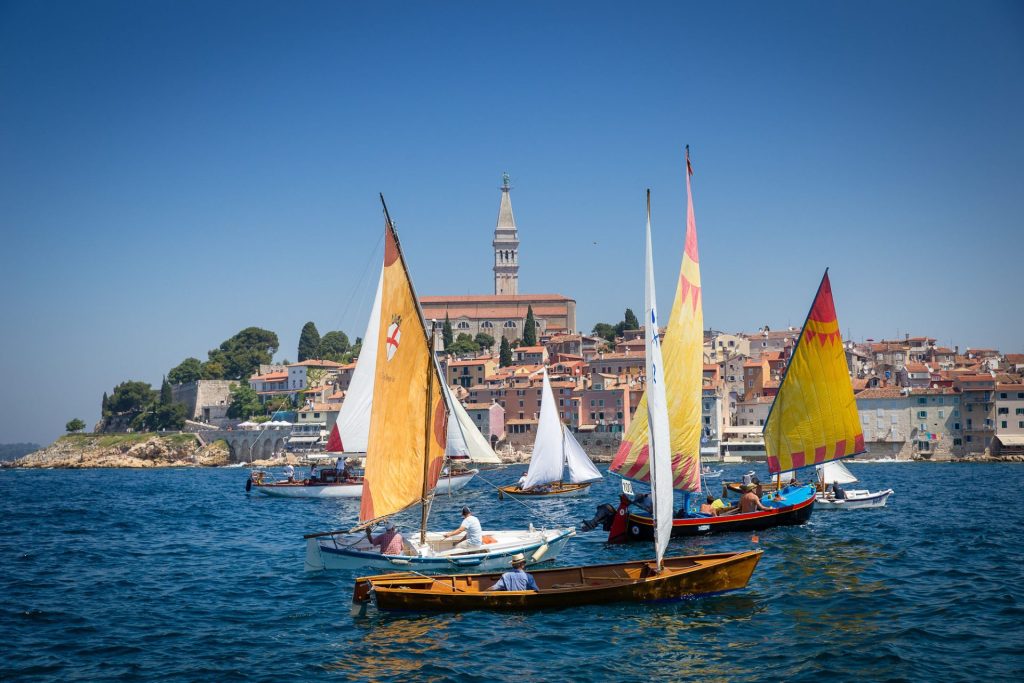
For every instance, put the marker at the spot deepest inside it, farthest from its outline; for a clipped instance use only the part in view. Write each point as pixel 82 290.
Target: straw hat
pixel 518 558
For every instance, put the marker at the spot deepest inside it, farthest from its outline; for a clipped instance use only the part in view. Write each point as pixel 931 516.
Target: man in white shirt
pixel 470 525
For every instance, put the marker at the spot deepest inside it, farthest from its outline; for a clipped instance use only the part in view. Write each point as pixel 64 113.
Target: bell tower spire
pixel 506 245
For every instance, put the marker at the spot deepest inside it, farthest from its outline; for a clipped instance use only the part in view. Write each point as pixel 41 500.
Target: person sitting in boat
pixel 708 508
pixel 837 490
pixel 313 475
pixel 471 526
pixel 522 482
pixel 289 472
pixel 749 502
pixel 721 506
pixel 346 471
pixel 518 579
pixel 390 542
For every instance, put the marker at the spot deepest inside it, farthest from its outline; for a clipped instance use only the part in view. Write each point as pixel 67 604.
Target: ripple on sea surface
pixel 179 575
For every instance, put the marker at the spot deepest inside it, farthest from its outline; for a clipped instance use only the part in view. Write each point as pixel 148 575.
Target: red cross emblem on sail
pixel 394 336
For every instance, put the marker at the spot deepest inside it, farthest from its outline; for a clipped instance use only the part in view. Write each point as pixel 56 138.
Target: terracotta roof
pixel 529 349
pixel 520 422
pixel 932 391
pixel 479 406
pixel 620 356
pixel 471 361
pixel 321 408
pixel 916 367
pixel 493 298
pixel 880 392
pixel 270 377
pixel 313 363
pixel 1015 358
pixel 1015 386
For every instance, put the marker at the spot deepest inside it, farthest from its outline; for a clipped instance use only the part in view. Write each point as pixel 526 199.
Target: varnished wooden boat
pixel 558 489
pixel 681 577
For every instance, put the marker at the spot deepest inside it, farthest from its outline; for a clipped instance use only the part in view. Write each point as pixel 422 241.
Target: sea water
pixel 178 574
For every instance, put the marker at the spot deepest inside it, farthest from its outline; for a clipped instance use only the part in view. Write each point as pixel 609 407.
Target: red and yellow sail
pixel 683 354
pixel 408 420
pixel 814 417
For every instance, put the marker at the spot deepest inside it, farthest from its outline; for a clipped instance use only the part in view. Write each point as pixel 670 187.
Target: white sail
pixel 548 452
pixel 835 472
pixel 456 446
pixel 659 438
pixel 581 469
pixel 479 449
pixel 354 417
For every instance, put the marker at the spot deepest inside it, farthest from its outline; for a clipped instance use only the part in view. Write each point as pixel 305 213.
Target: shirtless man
pixel 749 502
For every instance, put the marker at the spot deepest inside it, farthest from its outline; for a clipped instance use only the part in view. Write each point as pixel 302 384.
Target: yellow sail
pixel 683 354
pixel 408 421
pixel 814 417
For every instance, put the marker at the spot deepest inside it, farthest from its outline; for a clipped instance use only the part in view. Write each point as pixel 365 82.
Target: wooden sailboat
pixel 833 475
pixel 555 451
pixel 660 580
pixel 405 450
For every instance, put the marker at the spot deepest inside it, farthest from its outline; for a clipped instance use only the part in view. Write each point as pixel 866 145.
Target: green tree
pixel 188 370
pixel 241 355
pixel 75 425
pixel 213 370
pixel 159 416
pixel 309 342
pixel 166 397
pixel 484 340
pixel 605 331
pixel 630 319
pixel 464 346
pixel 333 346
pixel 131 397
pixel 245 402
pixel 355 350
pixel 105 406
pixel 530 328
pixel 447 338
pixel 505 354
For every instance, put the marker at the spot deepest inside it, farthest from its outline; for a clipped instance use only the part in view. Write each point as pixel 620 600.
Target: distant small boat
pixel 835 473
pixel 709 473
pixel 555 451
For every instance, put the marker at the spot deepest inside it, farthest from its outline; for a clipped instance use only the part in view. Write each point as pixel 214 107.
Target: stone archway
pixel 279 446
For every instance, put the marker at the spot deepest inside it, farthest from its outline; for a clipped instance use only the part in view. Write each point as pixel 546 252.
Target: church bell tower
pixel 506 245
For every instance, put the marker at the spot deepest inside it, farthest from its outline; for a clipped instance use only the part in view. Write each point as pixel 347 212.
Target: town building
pixel 979 411
pixel 1009 433
pixel 885 420
pixel 936 425
pixel 489 418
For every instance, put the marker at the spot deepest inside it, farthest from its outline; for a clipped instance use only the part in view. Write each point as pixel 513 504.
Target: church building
pixel 504 312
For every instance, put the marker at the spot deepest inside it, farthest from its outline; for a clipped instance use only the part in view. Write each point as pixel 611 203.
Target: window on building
pixel 707 420
pixel 942 413
pixel 957 442
pixel 510 323
pixel 1004 411
pixel 969 438
pixel 956 413
pixel 1019 411
pixel 1002 424
pixel 956 425
pixel 922 414
pixel 1002 394
pixel 922 400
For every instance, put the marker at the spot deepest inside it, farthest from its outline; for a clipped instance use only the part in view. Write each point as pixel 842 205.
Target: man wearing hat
pixel 470 525
pixel 749 502
pixel 517 579
pixel 390 542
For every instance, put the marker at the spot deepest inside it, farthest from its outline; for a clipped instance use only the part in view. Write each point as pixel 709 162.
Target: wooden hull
pixel 681 577
pixel 559 490
pixel 796 510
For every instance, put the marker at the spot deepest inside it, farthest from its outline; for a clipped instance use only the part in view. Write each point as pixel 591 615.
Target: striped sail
pixel 407 400
pixel 658 434
pixel 814 417
pixel 683 351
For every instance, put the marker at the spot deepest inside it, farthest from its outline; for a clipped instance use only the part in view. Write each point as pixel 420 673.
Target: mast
pixel 427 425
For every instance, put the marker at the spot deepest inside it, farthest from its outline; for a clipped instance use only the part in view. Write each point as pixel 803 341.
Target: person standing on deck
pixel 470 525
pixel 516 580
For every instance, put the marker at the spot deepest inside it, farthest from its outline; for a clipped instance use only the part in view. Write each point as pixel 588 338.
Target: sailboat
pixel 835 472
pixel 684 366
pixel 555 451
pixel 405 450
pixel 351 430
pixel 663 579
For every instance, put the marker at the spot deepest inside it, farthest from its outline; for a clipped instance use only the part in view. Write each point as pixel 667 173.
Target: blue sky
pixel 171 172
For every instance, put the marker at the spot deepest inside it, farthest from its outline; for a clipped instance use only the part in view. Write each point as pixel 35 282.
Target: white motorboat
pixel 834 473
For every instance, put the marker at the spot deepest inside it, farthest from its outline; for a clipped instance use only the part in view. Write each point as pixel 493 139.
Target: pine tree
pixel 446 333
pixel 505 354
pixel 530 330
pixel 166 397
pixel 631 322
pixel 309 342
pixel 105 406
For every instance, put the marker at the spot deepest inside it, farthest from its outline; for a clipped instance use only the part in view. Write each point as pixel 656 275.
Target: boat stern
pixel 362 596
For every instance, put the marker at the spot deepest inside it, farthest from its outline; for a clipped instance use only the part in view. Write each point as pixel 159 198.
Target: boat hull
pixel 556 491
pixel 682 577
pixel 796 509
pixel 445 485
pixel 353 552
pixel 868 501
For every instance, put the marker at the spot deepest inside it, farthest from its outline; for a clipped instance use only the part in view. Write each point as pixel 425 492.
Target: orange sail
pixel 408 420
pixel 814 417
pixel 683 353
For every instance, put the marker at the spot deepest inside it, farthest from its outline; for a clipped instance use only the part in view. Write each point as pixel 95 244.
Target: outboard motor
pixel 605 515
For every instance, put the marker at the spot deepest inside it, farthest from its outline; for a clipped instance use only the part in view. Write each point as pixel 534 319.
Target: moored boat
pixel 831 495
